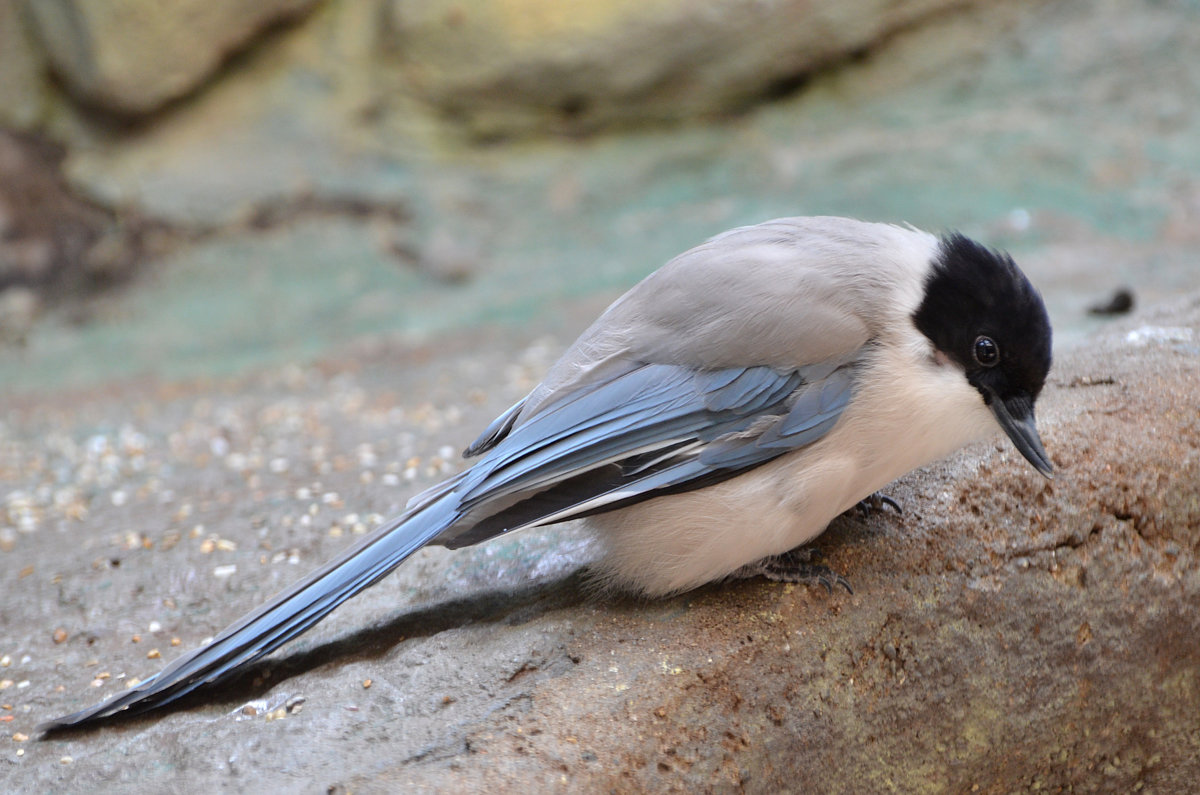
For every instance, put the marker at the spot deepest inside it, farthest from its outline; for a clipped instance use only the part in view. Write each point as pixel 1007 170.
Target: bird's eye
pixel 987 353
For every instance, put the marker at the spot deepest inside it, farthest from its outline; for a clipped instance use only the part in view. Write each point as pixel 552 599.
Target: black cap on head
pixel 981 312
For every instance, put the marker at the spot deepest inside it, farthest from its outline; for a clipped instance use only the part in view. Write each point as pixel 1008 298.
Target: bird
pixel 714 418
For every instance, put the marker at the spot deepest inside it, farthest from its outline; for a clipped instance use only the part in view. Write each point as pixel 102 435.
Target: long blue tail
pixel 287 615
pixel 650 430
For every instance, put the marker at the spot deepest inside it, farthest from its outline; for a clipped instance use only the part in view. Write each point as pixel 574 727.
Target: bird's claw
pixel 876 502
pixel 796 566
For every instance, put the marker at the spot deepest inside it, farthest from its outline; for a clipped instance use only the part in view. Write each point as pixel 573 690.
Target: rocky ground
pixel 1006 632
pixel 311 316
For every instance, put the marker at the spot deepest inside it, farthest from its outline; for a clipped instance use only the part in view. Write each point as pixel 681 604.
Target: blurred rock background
pixel 300 174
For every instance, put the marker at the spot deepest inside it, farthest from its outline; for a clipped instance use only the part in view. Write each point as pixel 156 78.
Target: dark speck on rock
pixel 1119 303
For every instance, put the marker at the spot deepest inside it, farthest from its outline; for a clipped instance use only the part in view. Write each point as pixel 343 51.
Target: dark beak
pixel 1015 416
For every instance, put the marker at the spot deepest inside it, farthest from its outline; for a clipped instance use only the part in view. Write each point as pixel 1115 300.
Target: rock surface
pixel 1063 132
pixel 133 56
pixel 505 66
pixel 22 85
pixel 51 238
pixel 491 67
pixel 1006 632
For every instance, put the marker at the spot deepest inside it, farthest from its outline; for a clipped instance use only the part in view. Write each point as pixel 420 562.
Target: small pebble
pixel 60 635
pixel 19 737
pixel 1119 303
pixel 153 654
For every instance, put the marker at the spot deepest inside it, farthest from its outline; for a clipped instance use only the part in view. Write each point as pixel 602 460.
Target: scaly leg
pixel 795 565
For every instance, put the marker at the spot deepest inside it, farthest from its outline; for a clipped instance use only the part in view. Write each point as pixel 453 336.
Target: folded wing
pixel 653 430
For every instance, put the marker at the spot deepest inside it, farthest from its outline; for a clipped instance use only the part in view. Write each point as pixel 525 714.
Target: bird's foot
pixel 795 565
pixel 876 502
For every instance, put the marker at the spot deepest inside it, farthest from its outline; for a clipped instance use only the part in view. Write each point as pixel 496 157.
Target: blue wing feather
pixel 653 428
pixel 814 413
pixel 494 433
